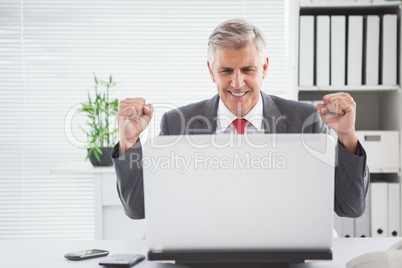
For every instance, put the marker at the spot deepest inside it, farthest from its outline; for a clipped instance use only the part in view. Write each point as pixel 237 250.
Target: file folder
pixel 363 224
pixel 338 46
pixel 379 209
pixel 389 49
pixel 372 55
pixel 393 209
pixel 322 48
pixel 347 227
pixel 355 50
pixel 306 51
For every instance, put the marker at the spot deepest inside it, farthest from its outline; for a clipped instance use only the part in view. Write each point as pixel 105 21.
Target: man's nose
pixel 237 79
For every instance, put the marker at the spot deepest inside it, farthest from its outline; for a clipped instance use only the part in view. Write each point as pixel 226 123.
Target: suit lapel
pixel 205 123
pixel 273 119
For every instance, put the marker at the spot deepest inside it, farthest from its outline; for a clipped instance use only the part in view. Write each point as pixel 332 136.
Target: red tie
pixel 239 124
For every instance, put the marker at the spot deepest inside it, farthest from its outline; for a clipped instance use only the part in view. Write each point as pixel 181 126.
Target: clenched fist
pixel 133 118
pixel 339 113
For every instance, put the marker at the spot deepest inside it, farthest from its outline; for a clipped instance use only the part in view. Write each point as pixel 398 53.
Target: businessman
pixel 238 64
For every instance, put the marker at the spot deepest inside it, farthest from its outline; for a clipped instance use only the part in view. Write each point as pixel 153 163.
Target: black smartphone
pixel 86 254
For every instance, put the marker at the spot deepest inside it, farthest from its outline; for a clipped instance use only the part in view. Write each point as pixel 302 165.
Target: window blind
pixel 49 51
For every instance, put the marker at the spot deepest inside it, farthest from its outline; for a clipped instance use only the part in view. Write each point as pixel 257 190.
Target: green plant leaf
pixel 114 84
pixel 89 98
pixel 83 129
pixel 98 149
pixel 97 155
pixel 100 129
pixel 89 153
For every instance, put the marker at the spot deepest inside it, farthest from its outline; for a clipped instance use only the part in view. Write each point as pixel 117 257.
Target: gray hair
pixel 236 34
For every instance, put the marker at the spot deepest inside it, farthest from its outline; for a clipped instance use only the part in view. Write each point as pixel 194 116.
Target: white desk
pixel 18 253
pixel 111 222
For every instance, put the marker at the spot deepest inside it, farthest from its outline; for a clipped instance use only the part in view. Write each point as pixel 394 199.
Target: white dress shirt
pixel 225 118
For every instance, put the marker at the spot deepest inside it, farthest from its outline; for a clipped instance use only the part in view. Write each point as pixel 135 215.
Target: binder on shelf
pixel 372 56
pixel 338 46
pixel 306 51
pixel 322 51
pixel 379 209
pixel 393 210
pixel 347 227
pixel 355 50
pixel 363 224
pixel 389 49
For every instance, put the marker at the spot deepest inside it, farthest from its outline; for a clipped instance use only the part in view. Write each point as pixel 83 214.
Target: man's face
pixel 238 75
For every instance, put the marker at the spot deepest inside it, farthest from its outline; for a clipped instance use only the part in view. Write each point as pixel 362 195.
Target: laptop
pixel 239 192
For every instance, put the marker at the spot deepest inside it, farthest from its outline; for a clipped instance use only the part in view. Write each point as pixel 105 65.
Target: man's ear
pixel 210 72
pixel 265 68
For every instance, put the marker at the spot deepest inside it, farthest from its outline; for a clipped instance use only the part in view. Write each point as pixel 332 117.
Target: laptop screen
pixel 270 191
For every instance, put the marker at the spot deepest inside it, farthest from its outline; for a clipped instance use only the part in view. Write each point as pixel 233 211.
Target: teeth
pixel 238 94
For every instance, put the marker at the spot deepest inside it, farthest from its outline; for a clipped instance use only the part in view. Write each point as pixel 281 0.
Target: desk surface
pixel 19 253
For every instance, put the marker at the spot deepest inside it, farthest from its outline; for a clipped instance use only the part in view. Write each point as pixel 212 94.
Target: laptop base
pixel 238 259
pixel 235 265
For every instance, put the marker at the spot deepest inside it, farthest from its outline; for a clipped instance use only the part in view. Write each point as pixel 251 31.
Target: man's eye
pixel 226 71
pixel 248 70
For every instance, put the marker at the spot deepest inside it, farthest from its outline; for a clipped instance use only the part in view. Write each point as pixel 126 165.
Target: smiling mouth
pixel 238 94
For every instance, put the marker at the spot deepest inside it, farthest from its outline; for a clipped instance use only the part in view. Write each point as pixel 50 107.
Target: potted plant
pixel 101 128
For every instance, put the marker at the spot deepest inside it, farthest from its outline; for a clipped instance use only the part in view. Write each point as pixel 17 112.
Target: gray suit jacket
pixel 280 116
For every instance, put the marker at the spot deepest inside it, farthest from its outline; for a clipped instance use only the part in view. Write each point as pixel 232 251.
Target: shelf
pixel 350 4
pixel 382 171
pixel 346 8
pixel 350 88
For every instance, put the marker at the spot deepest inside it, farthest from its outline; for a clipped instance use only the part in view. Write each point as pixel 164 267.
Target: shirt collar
pixel 226 117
